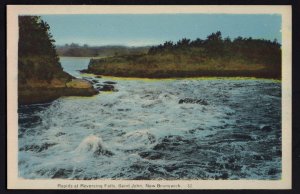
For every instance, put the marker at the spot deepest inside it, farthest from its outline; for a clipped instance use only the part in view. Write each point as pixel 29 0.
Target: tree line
pixel 215 46
pixel 76 50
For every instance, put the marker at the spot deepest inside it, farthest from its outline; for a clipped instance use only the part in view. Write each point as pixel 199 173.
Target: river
pixel 214 128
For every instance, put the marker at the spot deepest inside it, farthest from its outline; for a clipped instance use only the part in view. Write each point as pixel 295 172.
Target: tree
pixel 168 45
pixel 214 44
pixel 183 43
pixel 197 43
pixel 34 37
pixel 37 58
pixel 215 36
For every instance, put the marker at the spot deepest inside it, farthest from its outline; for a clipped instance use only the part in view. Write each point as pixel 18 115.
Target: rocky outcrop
pixel 107 88
pixel 79 83
pixel 32 93
pixel 40 75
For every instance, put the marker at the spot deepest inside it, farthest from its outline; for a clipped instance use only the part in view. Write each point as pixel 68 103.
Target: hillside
pixel 213 56
pixel 75 50
pixel 40 75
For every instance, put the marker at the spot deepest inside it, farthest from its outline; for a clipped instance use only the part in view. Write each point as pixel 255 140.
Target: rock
pixel 79 83
pixel 79 87
pixel 40 91
pixel 192 101
pixel 109 82
pixel 107 88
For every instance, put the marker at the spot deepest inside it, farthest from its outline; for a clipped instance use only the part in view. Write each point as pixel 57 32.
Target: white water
pixel 142 132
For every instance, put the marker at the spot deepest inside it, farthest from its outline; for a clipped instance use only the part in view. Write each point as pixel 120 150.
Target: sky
pixel 153 29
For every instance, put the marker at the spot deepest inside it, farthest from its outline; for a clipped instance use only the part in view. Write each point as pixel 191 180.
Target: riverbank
pixel 160 74
pixel 42 93
pixel 180 65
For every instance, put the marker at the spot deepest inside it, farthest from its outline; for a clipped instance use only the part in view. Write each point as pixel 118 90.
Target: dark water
pixel 156 129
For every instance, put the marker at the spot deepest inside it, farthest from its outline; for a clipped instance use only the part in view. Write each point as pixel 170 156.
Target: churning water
pixel 155 129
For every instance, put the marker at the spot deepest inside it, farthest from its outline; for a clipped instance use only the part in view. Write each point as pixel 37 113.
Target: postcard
pixel 149 97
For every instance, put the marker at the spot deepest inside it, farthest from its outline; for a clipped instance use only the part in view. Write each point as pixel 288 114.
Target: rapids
pixel 155 129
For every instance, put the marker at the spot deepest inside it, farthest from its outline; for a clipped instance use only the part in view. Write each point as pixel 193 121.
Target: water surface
pixel 155 129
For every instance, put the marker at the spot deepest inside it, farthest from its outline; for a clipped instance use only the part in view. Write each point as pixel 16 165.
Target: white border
pixel 14 182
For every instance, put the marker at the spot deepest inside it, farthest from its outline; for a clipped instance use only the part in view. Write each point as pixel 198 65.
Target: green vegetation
pixel 40 75
pixel 37 56
pixel 213 56
pixel 75 50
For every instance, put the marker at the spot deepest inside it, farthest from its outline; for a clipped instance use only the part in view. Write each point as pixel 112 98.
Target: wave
pixel 93 144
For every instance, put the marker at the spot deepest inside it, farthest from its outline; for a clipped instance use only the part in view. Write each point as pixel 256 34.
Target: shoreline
pixel 43 94
pixel 184 78
pixel 30 96
pixel 77 57
pixel 194 75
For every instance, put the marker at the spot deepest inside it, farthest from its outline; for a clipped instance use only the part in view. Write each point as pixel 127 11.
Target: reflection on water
pixel 156 130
